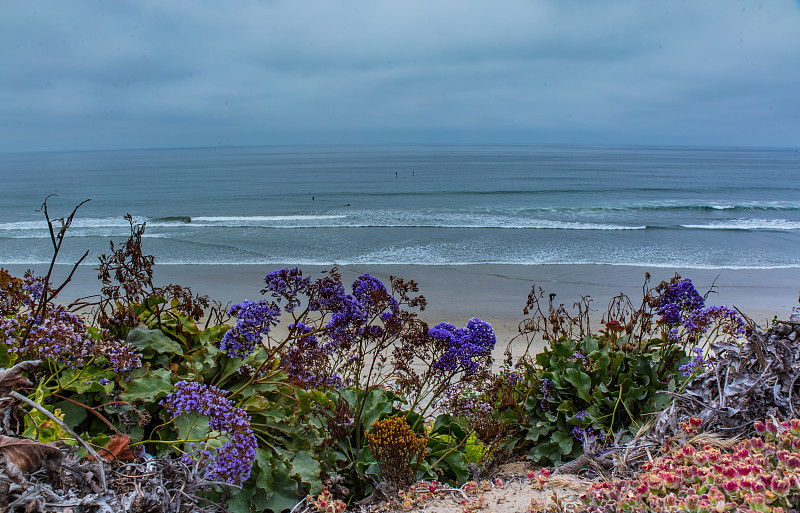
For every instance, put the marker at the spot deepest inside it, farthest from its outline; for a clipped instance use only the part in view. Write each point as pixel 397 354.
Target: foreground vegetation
pixel 332 391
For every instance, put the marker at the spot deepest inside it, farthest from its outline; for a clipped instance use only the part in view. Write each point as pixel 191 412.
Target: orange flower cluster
pixel 397 449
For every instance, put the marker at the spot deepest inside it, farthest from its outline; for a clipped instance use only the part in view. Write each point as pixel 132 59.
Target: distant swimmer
pixel 347 204
pixel 312 198
pixel 395 174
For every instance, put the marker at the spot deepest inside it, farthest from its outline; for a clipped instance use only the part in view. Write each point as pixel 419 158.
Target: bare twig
pixel 41 409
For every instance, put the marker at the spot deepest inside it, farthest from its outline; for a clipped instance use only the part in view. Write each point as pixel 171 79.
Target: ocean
pixel 706 208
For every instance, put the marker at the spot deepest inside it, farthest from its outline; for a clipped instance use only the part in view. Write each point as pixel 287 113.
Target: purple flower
pixel 233 461
pixel 699 321
pixel 580 433
pixel 371 293
pixel 678 299
pixel 287 284
pixel 255 318
pixel 63 337
pixel 462 346
pixel 697 362
pixel 546 387
pixel 34 287
pixel 578 356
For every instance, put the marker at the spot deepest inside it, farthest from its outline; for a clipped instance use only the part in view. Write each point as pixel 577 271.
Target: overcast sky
pixel 152 73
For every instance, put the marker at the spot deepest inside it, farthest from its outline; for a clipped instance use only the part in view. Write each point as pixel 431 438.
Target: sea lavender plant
pixel 232 461
pixel 678 300
pixel 697 362
pixel 255 319
pixel 52 332
pixel 466 349
pixel 683 311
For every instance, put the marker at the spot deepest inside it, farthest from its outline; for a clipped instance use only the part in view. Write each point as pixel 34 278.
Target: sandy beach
pixel 494 293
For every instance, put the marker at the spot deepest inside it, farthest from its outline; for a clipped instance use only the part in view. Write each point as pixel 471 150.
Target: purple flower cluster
pixel 233 461
pixel 306 358
pixel 578 356
pixel 353 313
pixel 63 337
pixel 372 295
pixel 546 387
pixel 683 309
pixel 697 362
pixel 700 320
pixel 287 284
pixel 462 346
pixel 678 299
pixel 255 318
pixel 580 433
pixel 34 287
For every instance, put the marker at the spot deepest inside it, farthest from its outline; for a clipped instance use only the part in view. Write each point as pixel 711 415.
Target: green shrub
pixel 595 386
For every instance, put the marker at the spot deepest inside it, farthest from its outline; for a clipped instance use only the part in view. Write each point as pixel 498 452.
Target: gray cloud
pixel 88 74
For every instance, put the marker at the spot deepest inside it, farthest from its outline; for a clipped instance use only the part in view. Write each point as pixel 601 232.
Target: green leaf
pixel 375 405
pixel 86 380
pixel 73 413
pixel 191 426
pixel 210 337
pixel 545 451
pixel 149 387
pixel 241 500
pixel 581 381
pixel 567 407
pixel 538 429
pixel 6 357
pixel 564 441
pixel 151 342
pixel 589 345
pixel 284 495
pixel 456 462
pixel 307 467
pixel 448 425
pixel 264 476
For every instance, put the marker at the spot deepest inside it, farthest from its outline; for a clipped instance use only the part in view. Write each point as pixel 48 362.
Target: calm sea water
pixel 703 208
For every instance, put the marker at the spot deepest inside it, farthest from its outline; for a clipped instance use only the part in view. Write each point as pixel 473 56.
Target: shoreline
pixel 495 293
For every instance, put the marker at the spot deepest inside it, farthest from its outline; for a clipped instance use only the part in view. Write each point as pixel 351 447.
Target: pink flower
pixel 782 486
pixel 771 427
pixel 730 486
pixel 760 427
